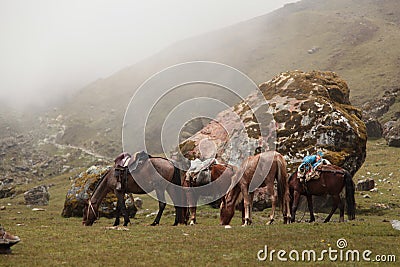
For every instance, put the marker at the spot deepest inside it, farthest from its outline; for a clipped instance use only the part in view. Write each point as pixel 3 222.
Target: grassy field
pixel 47 239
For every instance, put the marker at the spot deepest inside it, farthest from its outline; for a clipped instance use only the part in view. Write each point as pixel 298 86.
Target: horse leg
pixel 241 206
pixel 192 209
pixel 336 200
pixel 161 207
pixel 295 204
pixel 341 209
pixel 247 203
pixel 274 197
pixel 119 206
pixel 310 208
pixel 125 213
pixel 287 218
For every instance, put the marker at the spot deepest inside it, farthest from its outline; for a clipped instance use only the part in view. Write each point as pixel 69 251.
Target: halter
pixel 90 207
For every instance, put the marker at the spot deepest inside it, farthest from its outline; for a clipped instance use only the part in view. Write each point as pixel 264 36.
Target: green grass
pixel 47 239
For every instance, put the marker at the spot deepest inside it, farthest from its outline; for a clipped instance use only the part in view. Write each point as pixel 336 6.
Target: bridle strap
pixel 90 207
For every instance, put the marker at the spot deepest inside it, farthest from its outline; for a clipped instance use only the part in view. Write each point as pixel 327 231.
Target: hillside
pixel 357 39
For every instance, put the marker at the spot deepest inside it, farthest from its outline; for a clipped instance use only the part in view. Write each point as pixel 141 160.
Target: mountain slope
pixel 358 39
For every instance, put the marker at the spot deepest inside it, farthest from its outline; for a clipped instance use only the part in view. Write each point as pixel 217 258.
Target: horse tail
pixel 181 210
pixel 176 178
pixel 350 200
pixel 282 183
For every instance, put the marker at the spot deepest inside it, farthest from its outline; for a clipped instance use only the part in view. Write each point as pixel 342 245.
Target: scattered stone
pixel 38 209
pixel 138 202
pixel 37 196
pixel 395 224
pixel 3 208
pixel 118 228
pixel 313 50
pixel 367 196
pixel 7 191
pixel 365 185
pixel 380 206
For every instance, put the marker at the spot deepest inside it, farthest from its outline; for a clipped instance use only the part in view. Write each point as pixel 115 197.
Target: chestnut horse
pixel 331 182
pixel 203 175
pixel 267 167
pixel 145 168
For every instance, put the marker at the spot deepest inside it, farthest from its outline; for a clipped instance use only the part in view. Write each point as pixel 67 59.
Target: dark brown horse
pixel 205 174
pixel 267 167
pixel 144 167
pixel 331 182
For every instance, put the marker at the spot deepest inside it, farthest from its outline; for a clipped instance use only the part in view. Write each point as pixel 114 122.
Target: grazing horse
pixel 203 174
pixel 331 182
pixel 266 167
pixel 143 167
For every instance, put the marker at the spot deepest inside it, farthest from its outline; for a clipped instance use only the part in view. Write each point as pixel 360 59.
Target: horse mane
pixel 101 179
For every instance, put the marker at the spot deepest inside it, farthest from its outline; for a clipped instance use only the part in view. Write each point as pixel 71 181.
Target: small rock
pixel 38 209
pixel 138 202
pixel 365 185
pixel 395 224
pixel 367 196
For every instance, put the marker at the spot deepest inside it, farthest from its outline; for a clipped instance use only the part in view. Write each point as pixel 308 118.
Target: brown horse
pixel 144 167
pixel 331 182
pixel 205 174
pixel 266 167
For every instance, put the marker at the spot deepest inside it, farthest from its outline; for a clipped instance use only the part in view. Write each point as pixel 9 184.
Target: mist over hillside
pixel 358 39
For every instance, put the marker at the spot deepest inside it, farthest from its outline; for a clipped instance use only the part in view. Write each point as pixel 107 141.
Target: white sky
pixel 51 46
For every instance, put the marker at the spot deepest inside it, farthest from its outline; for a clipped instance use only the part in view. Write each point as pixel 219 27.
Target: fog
pixel 52 48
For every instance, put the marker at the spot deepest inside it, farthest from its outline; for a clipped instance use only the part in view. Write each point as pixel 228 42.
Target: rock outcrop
pixel 38 195
pixel 374 113
pixel 391 132
pixel 311 111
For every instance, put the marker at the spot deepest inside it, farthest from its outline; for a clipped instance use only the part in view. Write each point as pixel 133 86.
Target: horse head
pixel 89 213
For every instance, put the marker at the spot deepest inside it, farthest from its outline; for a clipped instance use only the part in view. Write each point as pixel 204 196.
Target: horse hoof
pixel 154 224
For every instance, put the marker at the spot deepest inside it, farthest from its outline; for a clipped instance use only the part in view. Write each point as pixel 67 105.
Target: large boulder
pixel 312 112
pixel 82 188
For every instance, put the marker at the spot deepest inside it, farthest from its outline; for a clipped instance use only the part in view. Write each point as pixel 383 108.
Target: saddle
pixel 314 173
pixel 198 166
pixel 122 160
pixel 124 163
